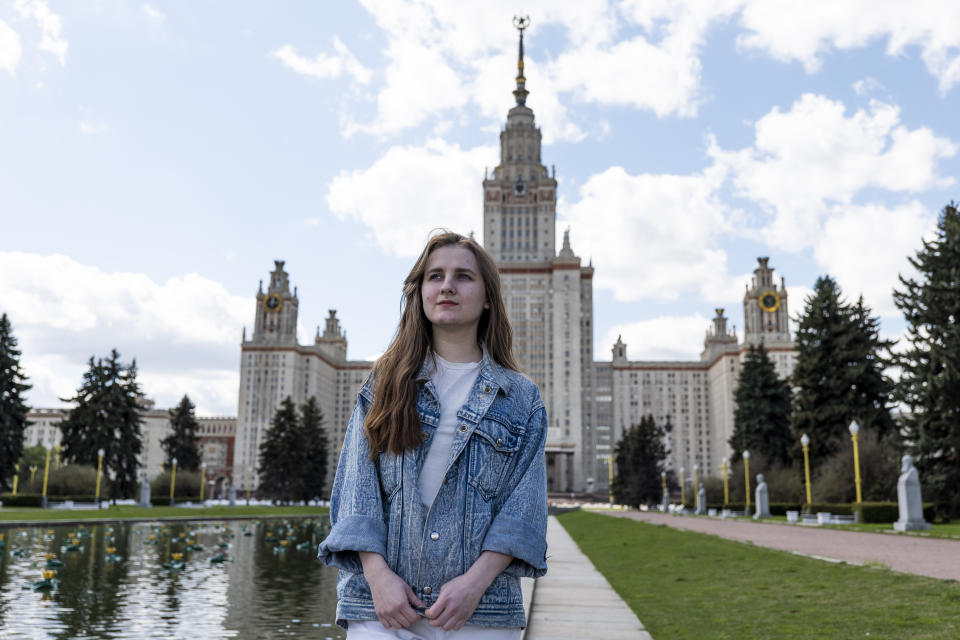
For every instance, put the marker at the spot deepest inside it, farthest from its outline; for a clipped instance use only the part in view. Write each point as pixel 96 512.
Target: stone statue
pixel 763 499
pixel 232 495
pixel 909 500
pixel 145 502
pixel 702 501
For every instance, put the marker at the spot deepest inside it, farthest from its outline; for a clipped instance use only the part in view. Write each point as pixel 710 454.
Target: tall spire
pixel 520 93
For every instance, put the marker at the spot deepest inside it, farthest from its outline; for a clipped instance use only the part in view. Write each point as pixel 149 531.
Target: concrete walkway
pixel 574 601
pixel 937 558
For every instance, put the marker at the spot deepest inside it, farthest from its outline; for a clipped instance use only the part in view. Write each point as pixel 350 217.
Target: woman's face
pixel 452 291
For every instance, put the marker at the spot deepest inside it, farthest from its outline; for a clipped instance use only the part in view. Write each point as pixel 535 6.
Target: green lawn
pixel 690 585
pixel 125 512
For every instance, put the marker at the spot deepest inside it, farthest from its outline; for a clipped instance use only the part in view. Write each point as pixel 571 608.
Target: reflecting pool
pixel 193 579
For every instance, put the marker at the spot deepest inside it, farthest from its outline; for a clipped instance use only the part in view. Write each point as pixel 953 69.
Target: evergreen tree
pixel 838 375
pixel 315 447
pixel 761 418
pixel 13 409
pixel 929 384
pixel 640 456
pixel 106 414
pixel 281 455
pixel 183 441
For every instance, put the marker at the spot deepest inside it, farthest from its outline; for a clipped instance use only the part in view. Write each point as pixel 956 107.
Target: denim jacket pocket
pixel 493 447
pixel 388 466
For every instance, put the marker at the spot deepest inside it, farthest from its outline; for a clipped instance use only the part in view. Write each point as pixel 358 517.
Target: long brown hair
pixel 393 424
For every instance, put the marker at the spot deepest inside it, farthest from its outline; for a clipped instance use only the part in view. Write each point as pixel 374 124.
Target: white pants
pixel 421 630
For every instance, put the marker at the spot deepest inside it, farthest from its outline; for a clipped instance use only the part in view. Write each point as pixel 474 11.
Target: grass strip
pixel 130 512
pixel 683 584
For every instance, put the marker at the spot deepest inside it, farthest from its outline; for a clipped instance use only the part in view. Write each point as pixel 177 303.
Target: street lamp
pixel 724 468
pixel 683 488
pixel 100 453
pixel 746 477
pixel 663 481
pixel 46 474
pixel 16 477
pixel 696 480
pixel 854 430
pixel 203 479
pixel 173 478
pixel 57 463
pixel 610 477
pixel 248 485
pixel 33 472
pixel 805 442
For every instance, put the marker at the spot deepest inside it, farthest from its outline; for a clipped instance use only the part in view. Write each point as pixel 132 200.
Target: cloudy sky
pixel 156 158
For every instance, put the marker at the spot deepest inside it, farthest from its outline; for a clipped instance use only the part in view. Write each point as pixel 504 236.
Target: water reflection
pixel 269 584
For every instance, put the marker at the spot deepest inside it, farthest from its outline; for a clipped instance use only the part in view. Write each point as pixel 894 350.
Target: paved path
pixel 574 601
pixel 933 557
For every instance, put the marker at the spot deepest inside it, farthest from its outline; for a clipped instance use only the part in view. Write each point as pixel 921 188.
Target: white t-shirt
pixel 453 381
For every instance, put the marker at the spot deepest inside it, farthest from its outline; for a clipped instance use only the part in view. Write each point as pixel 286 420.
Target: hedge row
pixel 875 512
pixel 164 500
pixel 36 499
pixel 884 512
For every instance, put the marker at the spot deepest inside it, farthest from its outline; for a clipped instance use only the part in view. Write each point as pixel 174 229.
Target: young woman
pixel 439 503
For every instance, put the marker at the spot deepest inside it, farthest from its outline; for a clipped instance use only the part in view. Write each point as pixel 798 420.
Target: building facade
pixel 216 440
pixel 694 401
pixel 273 366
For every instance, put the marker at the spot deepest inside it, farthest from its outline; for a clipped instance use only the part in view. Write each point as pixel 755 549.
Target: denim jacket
pixel 493 497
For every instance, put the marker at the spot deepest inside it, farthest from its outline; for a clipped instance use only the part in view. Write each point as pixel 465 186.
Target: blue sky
pixel 156 158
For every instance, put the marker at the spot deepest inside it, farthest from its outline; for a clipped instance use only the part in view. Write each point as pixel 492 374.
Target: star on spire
pixel 520 93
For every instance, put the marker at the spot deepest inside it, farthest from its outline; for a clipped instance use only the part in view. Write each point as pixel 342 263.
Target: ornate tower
pixel 276 319
pixel 520 197
pixel 765 310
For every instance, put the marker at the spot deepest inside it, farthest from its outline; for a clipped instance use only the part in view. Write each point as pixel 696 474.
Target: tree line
pixel 904 395
pixel 106 414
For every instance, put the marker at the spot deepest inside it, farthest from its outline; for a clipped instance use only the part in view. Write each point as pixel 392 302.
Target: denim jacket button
pixel 427 590
pixel 499 442
pixel 434 536
pixel 486 389
pixel 463 428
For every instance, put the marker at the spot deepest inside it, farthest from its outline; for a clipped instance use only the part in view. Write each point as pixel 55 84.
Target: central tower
pixel 548 294
pixel 520 197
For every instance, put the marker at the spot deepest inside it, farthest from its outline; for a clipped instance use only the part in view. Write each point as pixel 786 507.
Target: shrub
pixel 76 479
pixel 21 500
pixel 879 470
pixel 164 500
pixel 187 485
pixel 887 511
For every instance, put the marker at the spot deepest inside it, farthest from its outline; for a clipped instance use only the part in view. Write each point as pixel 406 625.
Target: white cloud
pixel 153 13
pixel 661 338
pixel 10 49
pixel 444 55
pixel 867 85
pixel 813 157
pixel 50 25
pixel 651 235
pixel 865 247
pixel 182 332
pixel 411 190
pixel 807 31
pixel 323 65
pixel 90 127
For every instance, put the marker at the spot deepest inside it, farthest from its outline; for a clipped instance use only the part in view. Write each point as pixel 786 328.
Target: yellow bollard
pixel 746 477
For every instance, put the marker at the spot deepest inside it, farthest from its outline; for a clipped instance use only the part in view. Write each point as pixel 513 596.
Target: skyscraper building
pixel 549 297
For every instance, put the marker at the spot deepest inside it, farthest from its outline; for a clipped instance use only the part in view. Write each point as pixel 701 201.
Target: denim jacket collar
pixel 490 371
